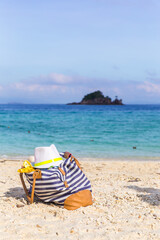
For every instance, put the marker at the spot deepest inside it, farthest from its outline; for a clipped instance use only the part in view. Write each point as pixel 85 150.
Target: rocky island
pixel 97 98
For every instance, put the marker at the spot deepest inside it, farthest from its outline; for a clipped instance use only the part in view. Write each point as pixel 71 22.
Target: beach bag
pixel 65 185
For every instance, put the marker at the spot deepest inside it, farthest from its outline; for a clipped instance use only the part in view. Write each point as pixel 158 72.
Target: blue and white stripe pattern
pixel 51 187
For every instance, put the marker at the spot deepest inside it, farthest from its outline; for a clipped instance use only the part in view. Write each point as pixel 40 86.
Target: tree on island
pixel 92 96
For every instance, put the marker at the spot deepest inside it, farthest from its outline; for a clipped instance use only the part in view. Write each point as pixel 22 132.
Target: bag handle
pixel 36 175
pixel 76 161
pixel 69 155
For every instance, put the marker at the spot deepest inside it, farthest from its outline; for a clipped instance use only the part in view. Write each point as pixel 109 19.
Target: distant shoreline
pixel 89 159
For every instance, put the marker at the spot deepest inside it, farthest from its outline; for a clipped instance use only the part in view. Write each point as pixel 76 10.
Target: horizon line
pixel 77 104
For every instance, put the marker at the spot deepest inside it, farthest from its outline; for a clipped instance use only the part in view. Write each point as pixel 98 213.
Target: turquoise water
pixel 86 131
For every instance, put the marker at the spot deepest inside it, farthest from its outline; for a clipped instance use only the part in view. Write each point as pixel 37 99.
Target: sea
pixel 130 132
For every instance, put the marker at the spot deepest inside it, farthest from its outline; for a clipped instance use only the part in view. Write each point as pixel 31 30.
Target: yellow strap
pixel 47 161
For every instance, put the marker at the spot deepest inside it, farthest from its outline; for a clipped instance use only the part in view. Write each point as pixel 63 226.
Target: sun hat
pixel 46 157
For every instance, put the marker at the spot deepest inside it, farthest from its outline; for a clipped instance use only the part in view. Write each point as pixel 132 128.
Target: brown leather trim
pixel 77 200
pixel 76 161
pixel 61 170
pixel 66 184
pixel 36 174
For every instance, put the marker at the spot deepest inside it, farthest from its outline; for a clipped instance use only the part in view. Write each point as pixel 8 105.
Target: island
pixel 97 98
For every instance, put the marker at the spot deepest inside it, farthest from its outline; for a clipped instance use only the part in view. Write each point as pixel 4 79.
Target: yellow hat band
pixel 48 161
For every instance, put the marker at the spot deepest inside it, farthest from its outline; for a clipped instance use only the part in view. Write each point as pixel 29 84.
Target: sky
pixel 57 51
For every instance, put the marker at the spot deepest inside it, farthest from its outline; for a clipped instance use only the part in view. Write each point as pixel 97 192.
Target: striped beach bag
pixel 65 185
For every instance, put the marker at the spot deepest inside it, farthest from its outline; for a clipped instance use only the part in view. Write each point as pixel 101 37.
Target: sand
pixel 126 206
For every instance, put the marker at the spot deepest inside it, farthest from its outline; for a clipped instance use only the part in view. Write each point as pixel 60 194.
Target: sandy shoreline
pixel 127 205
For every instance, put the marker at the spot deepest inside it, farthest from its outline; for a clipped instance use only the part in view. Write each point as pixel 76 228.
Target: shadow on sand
pixel 152 195
pixel 18 193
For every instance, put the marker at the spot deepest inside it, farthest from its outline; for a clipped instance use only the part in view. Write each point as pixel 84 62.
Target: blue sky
pixel 55 51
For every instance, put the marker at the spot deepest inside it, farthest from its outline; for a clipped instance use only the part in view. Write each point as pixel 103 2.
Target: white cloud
pixel 150 87
pixel 52 79
pixel 60 88
pixel 60 78
pixel 34 87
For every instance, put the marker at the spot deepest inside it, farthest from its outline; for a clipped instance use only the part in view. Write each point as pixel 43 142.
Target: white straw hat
pixel 46 157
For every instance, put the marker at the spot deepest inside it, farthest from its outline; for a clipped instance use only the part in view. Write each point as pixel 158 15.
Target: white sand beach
pixel 126 206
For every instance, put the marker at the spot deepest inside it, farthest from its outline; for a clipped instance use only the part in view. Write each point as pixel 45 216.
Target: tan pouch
pixel 80 199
